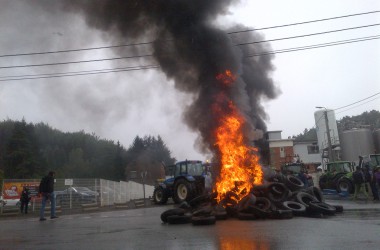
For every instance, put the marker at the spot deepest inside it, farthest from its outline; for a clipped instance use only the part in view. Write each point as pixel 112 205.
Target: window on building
pixel 282 152
pixel 312 149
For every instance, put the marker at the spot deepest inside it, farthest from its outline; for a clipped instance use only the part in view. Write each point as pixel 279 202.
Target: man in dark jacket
pixel 370 178
pixel 46 190
pixel 359 180
pixel 24 199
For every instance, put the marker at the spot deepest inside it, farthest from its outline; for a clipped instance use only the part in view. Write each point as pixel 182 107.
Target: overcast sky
pixel 119 106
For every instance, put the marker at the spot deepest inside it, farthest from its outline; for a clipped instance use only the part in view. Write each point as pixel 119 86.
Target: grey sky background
pixel 119 106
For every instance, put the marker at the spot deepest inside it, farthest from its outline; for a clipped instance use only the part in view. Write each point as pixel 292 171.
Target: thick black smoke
pixel 192 50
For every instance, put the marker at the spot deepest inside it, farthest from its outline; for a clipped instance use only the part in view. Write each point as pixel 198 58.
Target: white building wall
pixel 301 150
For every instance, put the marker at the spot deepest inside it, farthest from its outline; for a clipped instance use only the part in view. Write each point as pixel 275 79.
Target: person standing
pixel 358 178
pixel 370 178
pixel 24 199
pixel 377 177
pixel 46 190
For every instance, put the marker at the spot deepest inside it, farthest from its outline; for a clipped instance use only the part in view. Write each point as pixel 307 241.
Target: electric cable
pixel 315 46
pixel 312 34
pixel 146 43
pixel 143 67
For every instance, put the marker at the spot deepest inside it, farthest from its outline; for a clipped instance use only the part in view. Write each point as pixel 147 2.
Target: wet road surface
pixel 142 229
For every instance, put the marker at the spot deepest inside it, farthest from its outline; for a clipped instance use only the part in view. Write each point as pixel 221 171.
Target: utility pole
pixel 331 155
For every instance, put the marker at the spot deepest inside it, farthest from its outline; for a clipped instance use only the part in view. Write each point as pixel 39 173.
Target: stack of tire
pixel 274 200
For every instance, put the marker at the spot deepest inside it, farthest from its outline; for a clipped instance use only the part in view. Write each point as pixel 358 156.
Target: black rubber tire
pixel 221 215
pixel 293 183
pixel 316 192
pixel 184 205
pixel 296 207
pixel 339 208
pixel 263 203
pixel 258 212
pixel 170 212
pixel 204 211
pixel 305 198
pixel 277 192
pixel 321 207
pixel 282 214
pixel 199 200
pixel 207 220
pixel 179 219
pixel 160 196
pixel 249 199
pixel 246 216
pixel 183 191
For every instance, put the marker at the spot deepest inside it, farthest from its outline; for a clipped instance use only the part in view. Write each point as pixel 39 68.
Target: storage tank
pixel 356 142
pixel 320 124
pixel 376 139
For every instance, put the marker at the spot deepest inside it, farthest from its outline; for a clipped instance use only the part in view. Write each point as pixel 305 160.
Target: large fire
pixel 240 168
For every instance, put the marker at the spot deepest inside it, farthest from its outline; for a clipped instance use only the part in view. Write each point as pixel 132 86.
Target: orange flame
pixel 240 168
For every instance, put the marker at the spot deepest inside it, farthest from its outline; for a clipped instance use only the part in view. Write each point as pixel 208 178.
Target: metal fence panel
pixel 72 193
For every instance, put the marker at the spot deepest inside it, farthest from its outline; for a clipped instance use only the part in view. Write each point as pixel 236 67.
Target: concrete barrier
pixel 121 205
pixel 90 207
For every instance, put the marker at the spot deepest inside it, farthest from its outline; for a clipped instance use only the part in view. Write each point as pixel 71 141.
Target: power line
pixel 378 93
pixel 306 22
pixel 84 61
pixel 312 34
pixel 143 67
pixel 146 43
pixel 316 46
pixel 357 105
pixel 261 54
pixel 76 72
pixel 80 73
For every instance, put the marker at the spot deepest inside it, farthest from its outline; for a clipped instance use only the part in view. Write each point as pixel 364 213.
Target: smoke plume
pixel 191 49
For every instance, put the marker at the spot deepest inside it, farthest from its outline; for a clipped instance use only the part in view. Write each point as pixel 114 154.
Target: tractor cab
pixel 183 181
pixel 371 160
pixel 333 168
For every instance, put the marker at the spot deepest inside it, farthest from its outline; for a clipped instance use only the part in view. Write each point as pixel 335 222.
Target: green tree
pixel 22 155
pixel 147 155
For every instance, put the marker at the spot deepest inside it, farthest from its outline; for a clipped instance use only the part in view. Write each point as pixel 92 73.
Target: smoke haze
pixel 191 50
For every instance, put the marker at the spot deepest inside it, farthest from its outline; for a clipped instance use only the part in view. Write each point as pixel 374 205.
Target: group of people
pixel 46 191
pixel 365 178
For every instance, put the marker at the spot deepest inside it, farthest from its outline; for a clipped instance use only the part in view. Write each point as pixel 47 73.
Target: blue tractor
pixel 184 181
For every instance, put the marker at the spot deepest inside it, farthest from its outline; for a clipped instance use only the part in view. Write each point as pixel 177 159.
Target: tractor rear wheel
pixel 344 185
pixel 159 196
pixel 183 191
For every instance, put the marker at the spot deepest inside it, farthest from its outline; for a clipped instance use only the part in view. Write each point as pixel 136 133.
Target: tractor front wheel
pixel 183 191
pixel 159 196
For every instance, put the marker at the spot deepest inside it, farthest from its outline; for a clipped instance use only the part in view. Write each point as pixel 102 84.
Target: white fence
pixel 107 192
pixel 120 192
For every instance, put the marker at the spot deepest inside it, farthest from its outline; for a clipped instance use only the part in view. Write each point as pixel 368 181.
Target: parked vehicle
pixel 372 160
pixel 184 181
pixel 338 176
pixel 296 169
pixel 10 202
pixel 76 195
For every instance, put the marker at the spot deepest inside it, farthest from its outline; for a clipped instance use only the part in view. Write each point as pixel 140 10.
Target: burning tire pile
pixel 274 200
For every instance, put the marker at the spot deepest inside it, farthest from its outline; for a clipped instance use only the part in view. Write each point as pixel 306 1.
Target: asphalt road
pixel 357 228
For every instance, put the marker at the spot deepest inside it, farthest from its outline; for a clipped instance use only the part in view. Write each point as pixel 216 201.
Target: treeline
pixel 30 151
pixel 367 119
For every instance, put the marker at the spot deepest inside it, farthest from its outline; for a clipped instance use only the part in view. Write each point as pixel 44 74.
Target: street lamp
pixel 331 156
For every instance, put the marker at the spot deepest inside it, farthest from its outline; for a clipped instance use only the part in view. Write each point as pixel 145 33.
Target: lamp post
pixel 331 156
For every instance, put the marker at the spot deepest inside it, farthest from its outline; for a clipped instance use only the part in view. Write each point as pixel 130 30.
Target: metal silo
pixel 376 139
pixel 320 124
pixel 356 142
